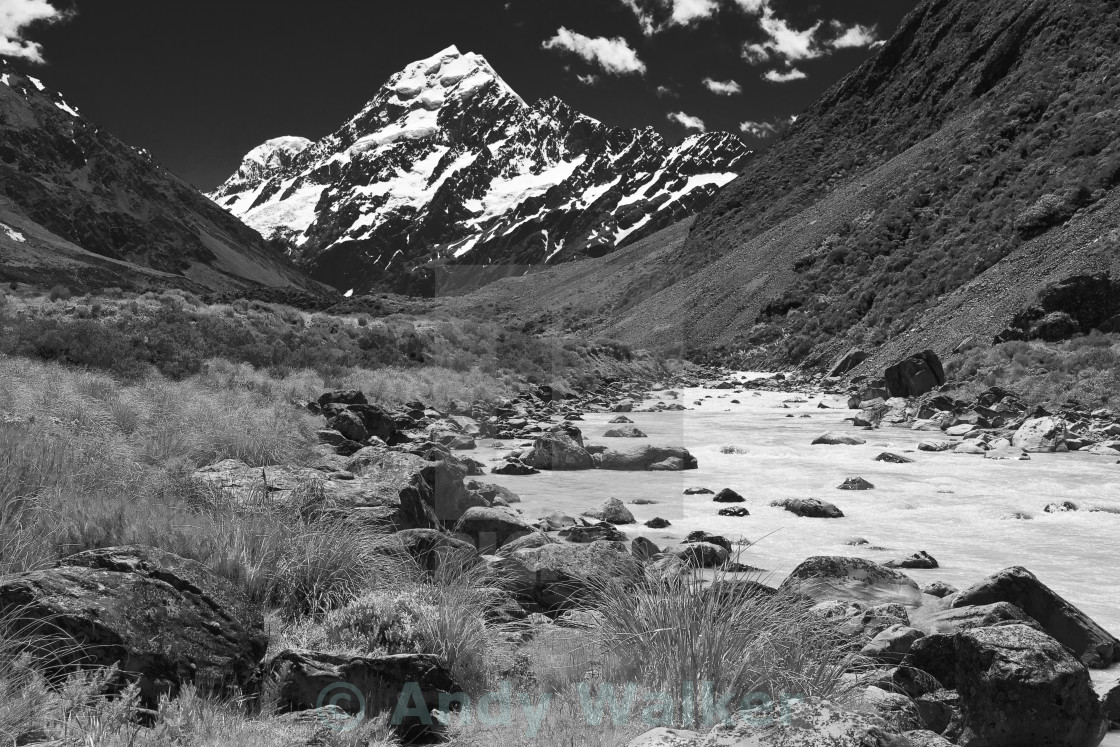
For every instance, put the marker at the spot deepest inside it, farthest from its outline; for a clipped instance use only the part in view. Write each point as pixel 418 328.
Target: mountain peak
pixel 446 164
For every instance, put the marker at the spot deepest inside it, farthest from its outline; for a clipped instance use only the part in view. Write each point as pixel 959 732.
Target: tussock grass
pixel 726 632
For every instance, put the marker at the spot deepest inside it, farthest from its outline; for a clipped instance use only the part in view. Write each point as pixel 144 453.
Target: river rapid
pixel 950 505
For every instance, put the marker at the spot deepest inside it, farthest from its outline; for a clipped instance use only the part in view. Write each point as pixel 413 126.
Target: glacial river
pixel 950 505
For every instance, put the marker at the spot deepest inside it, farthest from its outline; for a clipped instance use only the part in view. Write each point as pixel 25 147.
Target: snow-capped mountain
pixel 448 165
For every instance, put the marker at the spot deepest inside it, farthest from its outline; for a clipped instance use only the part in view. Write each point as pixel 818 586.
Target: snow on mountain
pixel 448 165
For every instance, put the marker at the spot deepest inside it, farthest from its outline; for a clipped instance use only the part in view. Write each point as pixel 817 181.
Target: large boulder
pixel 703 554
pixel 1044 435
pixel 342 397
pixel 491 528
pixel 949 621
pixel 1091 643
pixel 809 507
pixel 916 375
pixel 1018 686
pixel 612 511
pixel 631 432
pixel 847 362
pixel 838 439
pixel 567 576
pixel 856 579
pixel 166 621
pixel 371 684
pixel 644 457
pixel 891 645
pixel 559 451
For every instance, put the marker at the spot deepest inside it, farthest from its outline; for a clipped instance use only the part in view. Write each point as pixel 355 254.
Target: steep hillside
pixel 79 206
pixel 939 187
pixel 447 167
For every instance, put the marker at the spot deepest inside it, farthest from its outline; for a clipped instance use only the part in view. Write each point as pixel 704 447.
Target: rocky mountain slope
pixel 928 197
pixel 82 208
pixel 448 167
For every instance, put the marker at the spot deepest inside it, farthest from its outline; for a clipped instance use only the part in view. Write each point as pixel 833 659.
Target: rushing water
pixel 948 504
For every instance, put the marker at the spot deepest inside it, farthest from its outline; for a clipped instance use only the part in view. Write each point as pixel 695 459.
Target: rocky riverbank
pixel 1005 661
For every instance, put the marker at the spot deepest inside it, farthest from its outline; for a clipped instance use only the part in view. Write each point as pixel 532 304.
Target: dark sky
pixel 199 83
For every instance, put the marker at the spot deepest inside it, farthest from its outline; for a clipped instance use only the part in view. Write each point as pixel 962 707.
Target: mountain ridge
pixel 446 170
pixel 925 199
pixel 94 210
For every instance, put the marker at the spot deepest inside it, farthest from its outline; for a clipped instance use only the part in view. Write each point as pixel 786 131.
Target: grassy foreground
pixel 102 454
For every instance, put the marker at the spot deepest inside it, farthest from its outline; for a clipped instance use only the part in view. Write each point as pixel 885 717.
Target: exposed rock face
pixel 374 685
pixel 1094 646
pixel 165 620
pixel 447 162
pixel 825 577
pixel 915 375
pixel 67 183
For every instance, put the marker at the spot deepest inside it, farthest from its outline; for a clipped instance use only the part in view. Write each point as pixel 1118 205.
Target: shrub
pixel 60 293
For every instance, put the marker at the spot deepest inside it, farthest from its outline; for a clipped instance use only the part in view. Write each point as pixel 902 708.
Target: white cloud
pixel 765 129
pixel 680 13
pixel 614 56
pixel 589 80
pixel 666 91
pixel 758 129
pixel 688 121
pixel 784 76
pixel 15 17
pixel 722 87
pixel 789 45
pixel 856 36
pixel 687 12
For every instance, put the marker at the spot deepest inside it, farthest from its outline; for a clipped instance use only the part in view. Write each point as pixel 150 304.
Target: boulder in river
pixel 813 508
pixel 698 491
pixel 657 523
pixel 1091 643
pixel 514 467
pixel 936 445
pixel 919 560
pixel 727 495
pixel 643 548
pixel 856 579
pixel 856 483
pixel 559 451
pixel 939 589
pixel 644 457
pixel 737 512
pixel 838 439
pixel 620 419
pixel 611 511
pixel 703 554
pixel 1042 435
pixel 166 621
pixel 631 432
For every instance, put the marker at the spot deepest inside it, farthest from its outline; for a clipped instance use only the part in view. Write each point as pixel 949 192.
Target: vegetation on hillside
pixel 1018 102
